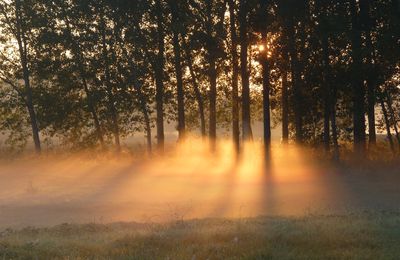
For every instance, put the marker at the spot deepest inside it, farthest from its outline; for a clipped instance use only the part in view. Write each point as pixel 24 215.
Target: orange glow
pixel 189 182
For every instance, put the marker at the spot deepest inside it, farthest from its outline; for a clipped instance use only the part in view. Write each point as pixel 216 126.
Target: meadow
pixel 362 235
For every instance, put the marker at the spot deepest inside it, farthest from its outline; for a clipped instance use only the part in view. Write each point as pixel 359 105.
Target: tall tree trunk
pixel 393 116
pixel 327 94
pixel 213 100
pixel 326 90
pixel 32 115
pixel 159 76
pixel 285 99
pixel 181 101
pixel 296 78
pixel 23 55
pixel 244 72
pixel 145 111
pixel 148 128
pixel 387 124
pixel 336 152
pixel 357 83
pixel 371 97
pixel 212 74
pixel 235 76
pixel 370 77
pixel 110 94
pixel 266 104
pixel 265 78
pixel 178 68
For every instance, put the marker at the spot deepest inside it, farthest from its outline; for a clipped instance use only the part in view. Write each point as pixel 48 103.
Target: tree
pixel 357 82
pixel 176 24
pixel 265 75
pixel 289 9
pixel 96 72
pixel 16 24
pixel 158 72
pixel 74 44
pixel 235 75
pixel 243 38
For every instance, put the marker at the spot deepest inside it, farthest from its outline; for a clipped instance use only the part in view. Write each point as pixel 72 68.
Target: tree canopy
pixel 92 72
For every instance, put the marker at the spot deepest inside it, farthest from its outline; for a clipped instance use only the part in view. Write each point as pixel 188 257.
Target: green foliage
pixel 92 64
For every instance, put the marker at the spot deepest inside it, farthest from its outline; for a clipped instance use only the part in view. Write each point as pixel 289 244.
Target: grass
pixel 352 236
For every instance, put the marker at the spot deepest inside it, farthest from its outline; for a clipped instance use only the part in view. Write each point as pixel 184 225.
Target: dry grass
pixel 352 236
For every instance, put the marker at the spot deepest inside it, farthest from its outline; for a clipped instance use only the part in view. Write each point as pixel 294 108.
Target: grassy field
pixel 352 236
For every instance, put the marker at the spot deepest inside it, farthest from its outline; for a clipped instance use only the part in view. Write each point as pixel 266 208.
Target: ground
pixel 352 236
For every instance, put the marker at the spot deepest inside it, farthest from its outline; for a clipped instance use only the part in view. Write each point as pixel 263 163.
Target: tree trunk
pixel 265 79
pixel 146 117
pixel 285 99
pixel 336 152
pixel 213 100
pixel 393 117
pixel 370 77
pixel 357 84
pixel 212 74
pixel 246 117
pixel 178 69
pixel 387 124
pixel 235 76
pixel 295 71
pixel 148 129
pixel 266 104
pixel 326 77
pixel 33 118
pixel 22 47
pixel 371 111
pixel 159 76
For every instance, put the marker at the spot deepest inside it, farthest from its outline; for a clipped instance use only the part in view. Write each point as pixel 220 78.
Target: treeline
pixel 91 72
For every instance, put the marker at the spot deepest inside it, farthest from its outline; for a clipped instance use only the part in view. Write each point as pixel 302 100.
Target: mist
pixel 188 182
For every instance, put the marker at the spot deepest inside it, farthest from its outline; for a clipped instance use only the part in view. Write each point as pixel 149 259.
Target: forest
pixel 80 74
pixel 199 129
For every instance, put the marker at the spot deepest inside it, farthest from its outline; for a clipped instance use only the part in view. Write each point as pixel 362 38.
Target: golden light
pixel 265 49
pixel 190 182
